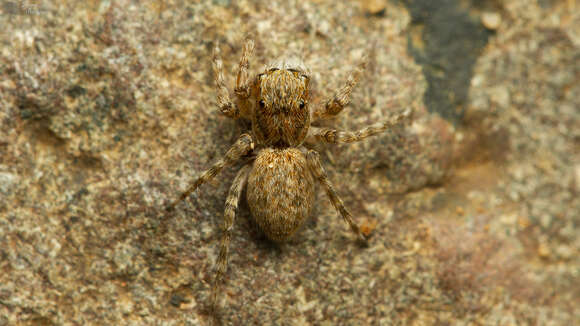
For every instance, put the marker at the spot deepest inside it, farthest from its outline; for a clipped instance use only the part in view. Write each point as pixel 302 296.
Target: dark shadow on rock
pixel 446 41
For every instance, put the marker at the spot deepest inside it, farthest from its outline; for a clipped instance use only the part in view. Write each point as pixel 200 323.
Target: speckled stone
pixel 107 111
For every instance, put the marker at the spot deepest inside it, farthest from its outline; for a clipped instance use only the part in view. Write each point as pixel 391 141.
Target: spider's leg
pixel 334 136
pixel 243 87
pixel 227 107
pixel 334 105
pixel 241 147
pixel 230 213
pixel 242 81
pixel 318 172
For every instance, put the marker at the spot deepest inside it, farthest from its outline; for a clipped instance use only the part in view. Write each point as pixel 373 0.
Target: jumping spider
pixel 281 171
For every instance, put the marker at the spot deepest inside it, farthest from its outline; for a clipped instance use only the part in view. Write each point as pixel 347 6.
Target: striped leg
pixel 317 170
pixel 335 104
pixel 241 147
pixel 242 89
pixel 242 82
pixel 229 215
pixel 227 107
pixel 333 136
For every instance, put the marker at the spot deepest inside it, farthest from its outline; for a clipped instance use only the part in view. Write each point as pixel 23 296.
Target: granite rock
pixel 107 111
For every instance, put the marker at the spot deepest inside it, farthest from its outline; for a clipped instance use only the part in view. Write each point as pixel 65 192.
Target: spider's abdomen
pixel 280 191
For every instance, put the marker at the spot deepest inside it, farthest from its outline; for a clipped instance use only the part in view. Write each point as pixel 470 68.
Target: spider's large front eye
pixel 302 104
pixel 262 103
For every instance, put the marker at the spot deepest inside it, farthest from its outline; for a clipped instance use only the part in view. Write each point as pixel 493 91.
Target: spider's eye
pixel 262 103
pixel 302 104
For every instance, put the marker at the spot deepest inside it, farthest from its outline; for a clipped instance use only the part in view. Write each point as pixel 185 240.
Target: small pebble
pixel 374 7
pixel 543 250
pixel 545 221
pixel 508 219
pixel 524 222
pixel 491 20
pixel 564 251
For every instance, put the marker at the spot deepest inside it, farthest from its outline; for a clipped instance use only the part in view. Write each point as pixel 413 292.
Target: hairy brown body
pixel 281 177
pixel 282 209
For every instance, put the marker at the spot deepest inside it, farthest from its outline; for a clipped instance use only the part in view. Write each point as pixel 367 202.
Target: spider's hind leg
pixel 243 146
pixel 229 215
pixel 318 172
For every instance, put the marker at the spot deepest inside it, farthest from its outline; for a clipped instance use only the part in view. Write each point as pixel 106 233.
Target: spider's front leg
pixel 334 105
pixel 242 81
pixel 243 146
pixel 242 89
pixel 333 136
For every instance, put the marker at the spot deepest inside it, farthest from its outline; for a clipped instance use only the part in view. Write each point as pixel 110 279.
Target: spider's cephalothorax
pixel 282 175
pixel 281 117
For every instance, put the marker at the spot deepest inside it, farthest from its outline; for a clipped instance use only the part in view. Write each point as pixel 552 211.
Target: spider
pixel 281 172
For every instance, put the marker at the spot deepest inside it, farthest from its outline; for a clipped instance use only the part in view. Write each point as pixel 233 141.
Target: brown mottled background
pixel 107 110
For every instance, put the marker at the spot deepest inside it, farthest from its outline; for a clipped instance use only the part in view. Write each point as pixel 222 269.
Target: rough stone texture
pixel 107 110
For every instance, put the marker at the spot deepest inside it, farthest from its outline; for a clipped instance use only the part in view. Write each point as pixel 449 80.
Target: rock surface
pixel 107 111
